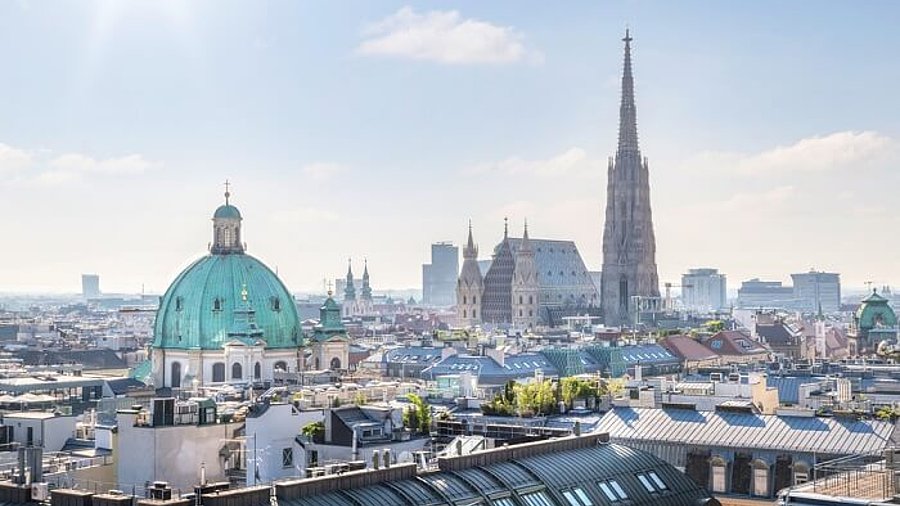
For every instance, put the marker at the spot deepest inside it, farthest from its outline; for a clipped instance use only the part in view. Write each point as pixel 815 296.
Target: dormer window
pixel 179 303
pixel 217 304
pixel 276 304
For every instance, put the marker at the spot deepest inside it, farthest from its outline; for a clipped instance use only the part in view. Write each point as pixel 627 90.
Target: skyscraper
pixel 629 246
pixel 439 277
pixel 90 286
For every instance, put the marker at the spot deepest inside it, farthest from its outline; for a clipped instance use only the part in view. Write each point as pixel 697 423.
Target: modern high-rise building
pixel 439 277
pixel 629 245
pixel 814 290
pixel 703 290
pixel 757 294
pixel 90 286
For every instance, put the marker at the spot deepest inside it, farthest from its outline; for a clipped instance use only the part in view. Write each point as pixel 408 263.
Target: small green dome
pixel 875 312
pixel 227 211
pixel 206 303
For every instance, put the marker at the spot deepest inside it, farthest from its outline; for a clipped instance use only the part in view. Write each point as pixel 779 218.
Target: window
pixel 257 371
pixel 618 489
pixel 287 457
pixel 645 481
pixel 537 499
pixel 218 372
pixel 474 313
pixel 176 375
pixel 718 476
pixel 217 304
pixel 520 299
pixel 464 300
pixel 276 304
pixel 530 299
pixel 657 480
pixel 760 478
pixel 464 313
pixel 608 492
pixel 179 303
pixel 281 365
pixel 503 501
pixel 237 372
pixel 474 299
pixel 577 497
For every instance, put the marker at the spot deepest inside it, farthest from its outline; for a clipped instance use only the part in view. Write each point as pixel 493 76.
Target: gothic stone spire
pixel 629 244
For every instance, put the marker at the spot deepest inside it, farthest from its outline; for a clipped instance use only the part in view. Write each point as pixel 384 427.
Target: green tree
pixel 418 415
pixel 313 430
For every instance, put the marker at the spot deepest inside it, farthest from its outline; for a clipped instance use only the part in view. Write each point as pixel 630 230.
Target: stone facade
pixel 629 245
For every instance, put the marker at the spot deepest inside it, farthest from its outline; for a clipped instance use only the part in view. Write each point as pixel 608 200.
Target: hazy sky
pixel 371 129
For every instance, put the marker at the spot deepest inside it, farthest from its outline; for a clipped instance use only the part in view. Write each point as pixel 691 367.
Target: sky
pixel 370 129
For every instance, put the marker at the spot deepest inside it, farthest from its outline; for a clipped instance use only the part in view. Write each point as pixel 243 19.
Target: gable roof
pixel 833 436
pixel 688 349
pixel 733 342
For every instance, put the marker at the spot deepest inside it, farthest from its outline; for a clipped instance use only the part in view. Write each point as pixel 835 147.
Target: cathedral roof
pixel 558 263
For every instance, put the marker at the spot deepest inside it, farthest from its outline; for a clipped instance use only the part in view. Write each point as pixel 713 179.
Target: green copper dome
pixel 227 211
pixel 875 312
pixel 220 298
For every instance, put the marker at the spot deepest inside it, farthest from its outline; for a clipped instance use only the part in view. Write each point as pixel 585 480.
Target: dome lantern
pixel 227 227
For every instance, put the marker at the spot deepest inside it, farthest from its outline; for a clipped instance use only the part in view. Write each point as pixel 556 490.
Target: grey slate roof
pixel 833 436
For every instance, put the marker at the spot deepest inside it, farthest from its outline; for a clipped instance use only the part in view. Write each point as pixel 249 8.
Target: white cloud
pixel 13 159
pixel 840 150
pixel 445 37
pixel 573 161
pixel 77 162
pixel 322 170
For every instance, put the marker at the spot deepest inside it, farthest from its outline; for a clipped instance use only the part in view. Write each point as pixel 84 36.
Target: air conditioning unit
pixel 40 492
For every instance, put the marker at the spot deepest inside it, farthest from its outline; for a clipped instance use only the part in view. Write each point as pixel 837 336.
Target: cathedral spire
pixel 505 228
pixel 366 288
pixel 349 289
pixel 470 251
pixel 628 138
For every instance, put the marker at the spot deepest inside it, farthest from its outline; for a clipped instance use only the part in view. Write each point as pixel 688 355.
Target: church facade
pixel 629 244
pixel 360 305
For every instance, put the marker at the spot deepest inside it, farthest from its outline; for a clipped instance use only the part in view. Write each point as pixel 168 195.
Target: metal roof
pixel 834 436
pixel 548 473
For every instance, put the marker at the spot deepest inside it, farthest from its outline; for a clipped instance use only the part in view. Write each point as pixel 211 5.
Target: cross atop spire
pixel 227 191
pixel 628 138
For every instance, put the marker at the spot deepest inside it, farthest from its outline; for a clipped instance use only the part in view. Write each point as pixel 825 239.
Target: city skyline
pixel 111 167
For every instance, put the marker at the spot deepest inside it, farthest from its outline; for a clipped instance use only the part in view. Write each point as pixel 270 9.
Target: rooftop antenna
pixel 227 191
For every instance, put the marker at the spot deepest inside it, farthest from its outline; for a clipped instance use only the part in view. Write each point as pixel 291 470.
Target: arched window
pixel 257 371
pixel 335 364
pixel 217 304
pixel 520 312
pixel 276 304
pixel 237 372
pixel 317 364
pixel 218 372
pixel 760 478
pixel 176 375
pixel 717 474
pixel 531 299
pixel 474 299
pixel 464 300
pixel 281 365
pixel 474 313
pixel 521 299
